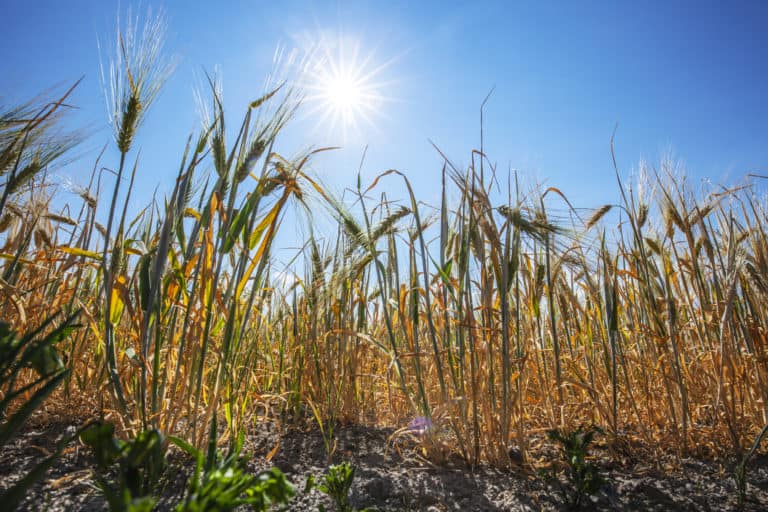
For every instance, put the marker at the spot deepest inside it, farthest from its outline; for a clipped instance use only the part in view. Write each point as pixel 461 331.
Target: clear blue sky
pixel 690 77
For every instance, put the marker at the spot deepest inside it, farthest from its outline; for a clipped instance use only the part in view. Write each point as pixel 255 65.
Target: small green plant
pixel 337 483
pixel 139 462
pixel 584 476
pixel 37 351
pixel 740 472
pixel 222 483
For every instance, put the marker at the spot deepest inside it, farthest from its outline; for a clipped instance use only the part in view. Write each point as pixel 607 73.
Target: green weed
pixel 138 462
pixel 337 483
pixel 37 351
pixel 584 477
pixel 223 484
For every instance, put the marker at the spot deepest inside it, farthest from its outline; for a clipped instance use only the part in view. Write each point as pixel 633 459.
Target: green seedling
pixel 584 476
pixel 139 463
pixel 337 483
pixel 225 485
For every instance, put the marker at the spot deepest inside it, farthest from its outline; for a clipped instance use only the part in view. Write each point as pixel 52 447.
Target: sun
pixel 344 94
pixel 344 87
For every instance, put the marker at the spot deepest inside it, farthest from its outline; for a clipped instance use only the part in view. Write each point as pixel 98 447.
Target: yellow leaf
pixel 258 231
pixel 76 251
pixel 273 451
pixel 271 219
pixel 189 212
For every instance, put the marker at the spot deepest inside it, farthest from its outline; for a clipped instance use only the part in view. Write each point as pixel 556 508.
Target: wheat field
pixel 490 318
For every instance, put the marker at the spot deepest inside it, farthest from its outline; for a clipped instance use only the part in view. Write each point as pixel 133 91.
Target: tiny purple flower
pixel 420 425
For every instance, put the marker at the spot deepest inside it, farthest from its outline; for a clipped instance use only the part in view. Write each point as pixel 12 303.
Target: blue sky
pixel 682 77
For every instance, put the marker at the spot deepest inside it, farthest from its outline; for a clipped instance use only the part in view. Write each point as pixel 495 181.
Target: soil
pixel 391 476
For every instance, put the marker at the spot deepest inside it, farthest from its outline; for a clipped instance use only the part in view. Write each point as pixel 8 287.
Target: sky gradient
pixel 686 78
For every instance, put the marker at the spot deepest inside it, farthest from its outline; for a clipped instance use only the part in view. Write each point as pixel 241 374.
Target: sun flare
pixel 344 87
